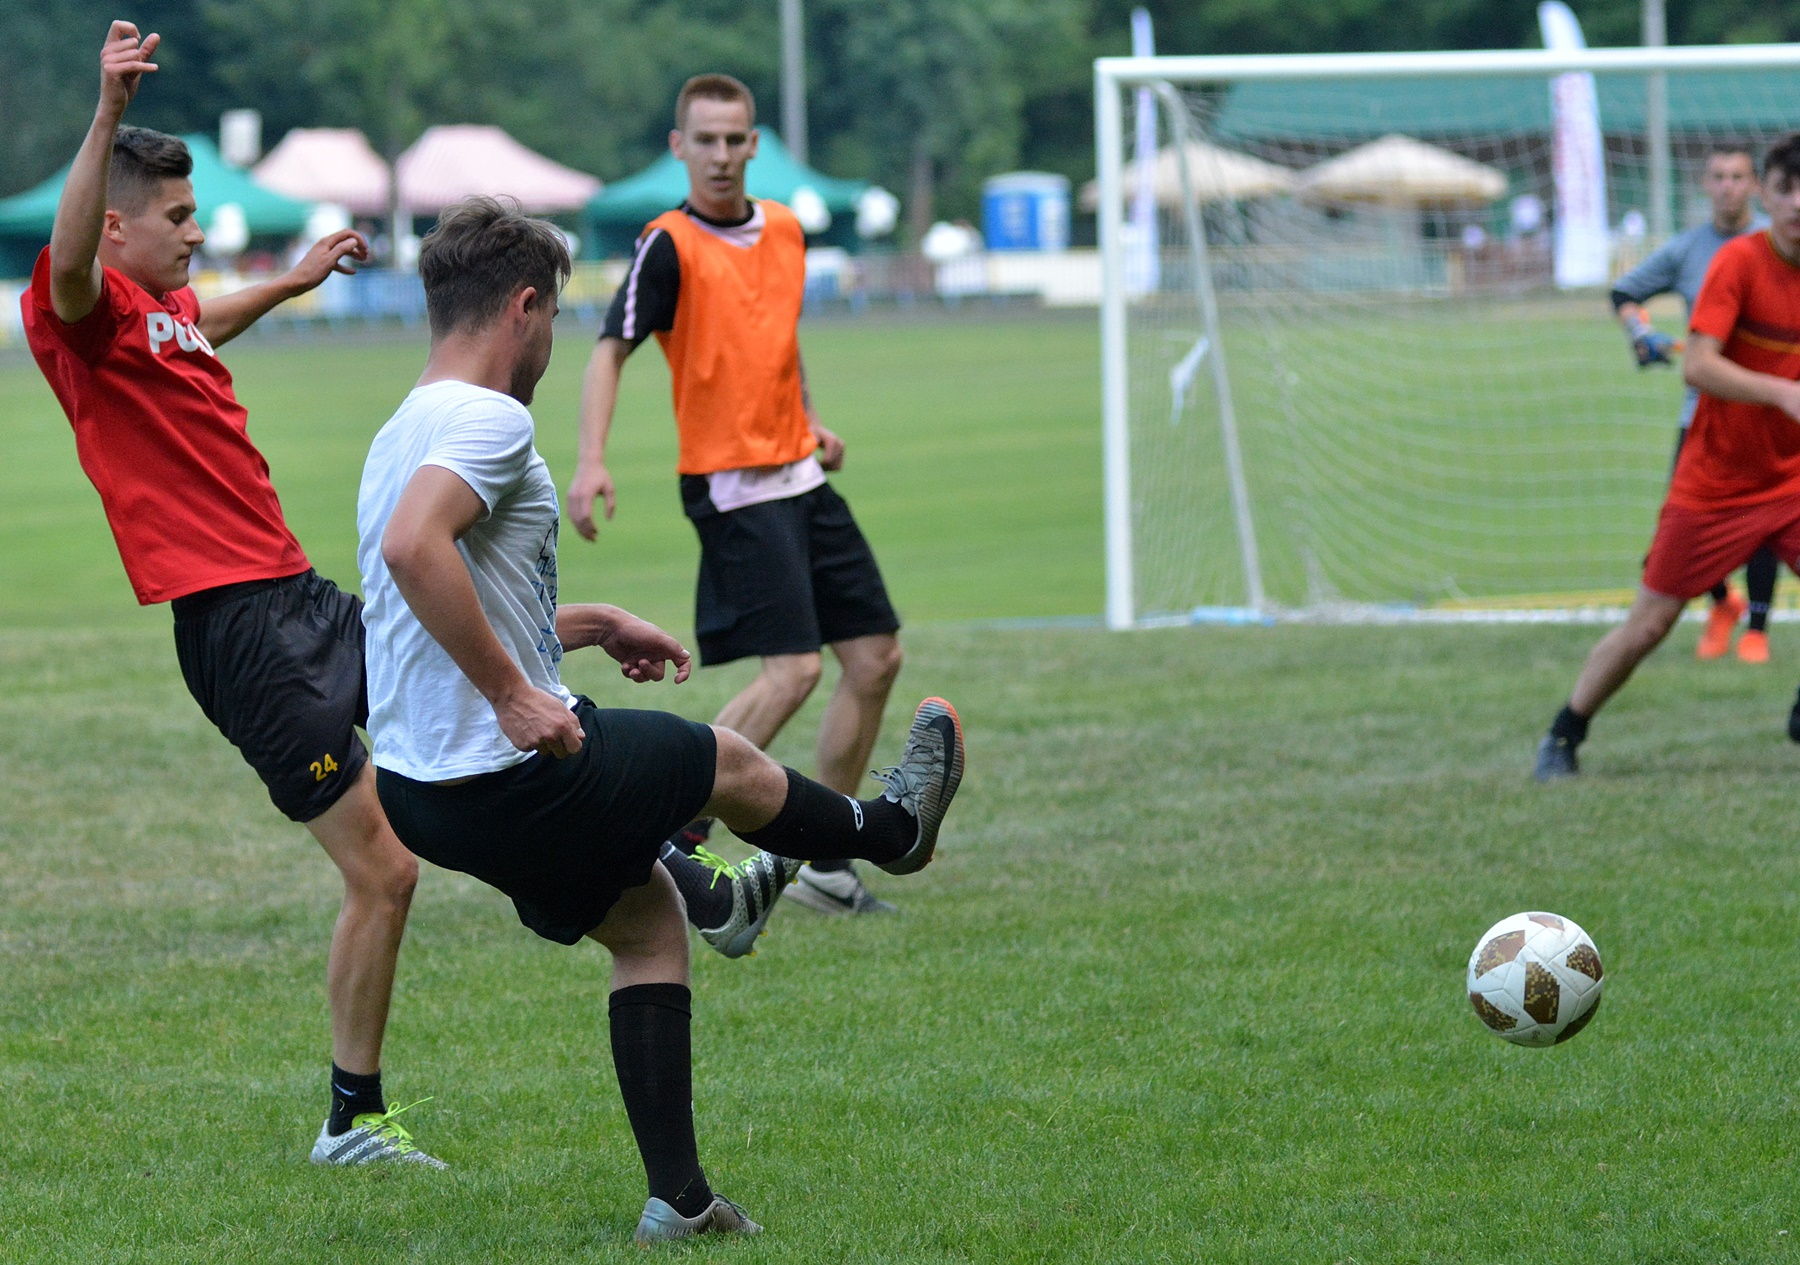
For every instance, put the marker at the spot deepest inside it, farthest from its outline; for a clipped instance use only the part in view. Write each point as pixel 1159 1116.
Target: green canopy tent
pixel 26 218
pixel 619 212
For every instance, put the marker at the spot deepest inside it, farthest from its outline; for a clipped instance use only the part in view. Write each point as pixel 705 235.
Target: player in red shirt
pixel 1737 482
pixel 271 651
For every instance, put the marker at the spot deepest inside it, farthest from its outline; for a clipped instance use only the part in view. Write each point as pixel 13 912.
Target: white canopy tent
pixel 328 164
pixel 455 161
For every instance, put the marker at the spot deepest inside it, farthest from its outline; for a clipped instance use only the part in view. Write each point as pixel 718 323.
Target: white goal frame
pixel 1114 76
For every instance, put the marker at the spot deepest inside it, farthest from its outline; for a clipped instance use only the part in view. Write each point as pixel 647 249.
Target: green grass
pixel 1184 986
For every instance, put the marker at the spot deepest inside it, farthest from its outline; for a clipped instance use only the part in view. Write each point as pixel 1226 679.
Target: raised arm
pixel 81 210
pixel 1707 369
pixel 224 318
pixel 599 397
pixel 419 547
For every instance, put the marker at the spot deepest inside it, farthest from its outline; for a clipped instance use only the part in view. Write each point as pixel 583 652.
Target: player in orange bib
pixel 1737 481
pixel 784 569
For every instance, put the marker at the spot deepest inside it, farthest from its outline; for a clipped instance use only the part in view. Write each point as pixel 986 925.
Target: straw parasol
pixel 1216 174
pixel 1400 171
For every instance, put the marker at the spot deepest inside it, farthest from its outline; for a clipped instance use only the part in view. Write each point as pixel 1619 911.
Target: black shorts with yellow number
pixel 277 665
pixel 782 577
pixel 564 838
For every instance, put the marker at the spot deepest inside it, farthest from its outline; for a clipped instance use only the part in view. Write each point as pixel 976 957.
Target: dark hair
pixel 711 88
pixel 141 160
pixel 1727 149
pixel 1784 156
pixel 482 252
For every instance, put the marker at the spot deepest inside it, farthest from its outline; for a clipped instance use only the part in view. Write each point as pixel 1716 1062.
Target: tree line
pixel 925 97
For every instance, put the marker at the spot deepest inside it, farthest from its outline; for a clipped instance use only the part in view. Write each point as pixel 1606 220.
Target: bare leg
pixel 853 715
pixel 1611 662
pixel 379 877
pixel 646 933
pixel 770 701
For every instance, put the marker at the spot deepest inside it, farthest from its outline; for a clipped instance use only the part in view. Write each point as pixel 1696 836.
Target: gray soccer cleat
pixel 1555 759
pixel 661 1223
pixel 925 780
pixel 835 892
pixel 373 1138
pixel 755 887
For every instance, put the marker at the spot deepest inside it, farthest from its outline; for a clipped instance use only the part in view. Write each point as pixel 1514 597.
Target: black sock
pixel 816 821
pixel 706 892
pixel 1759 583
pixel 653 1056
pixel 692 836
pixel 352 1095
pixel 1719 592
pixel 1570 727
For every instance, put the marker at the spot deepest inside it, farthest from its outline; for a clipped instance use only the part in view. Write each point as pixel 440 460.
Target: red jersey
pixel 161 435
pixel 1739 454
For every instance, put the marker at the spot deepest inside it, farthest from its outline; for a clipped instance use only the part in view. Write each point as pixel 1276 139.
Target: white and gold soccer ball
pixel 1534 979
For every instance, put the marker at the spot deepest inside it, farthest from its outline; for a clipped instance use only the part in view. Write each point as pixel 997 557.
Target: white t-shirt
pixel 428 721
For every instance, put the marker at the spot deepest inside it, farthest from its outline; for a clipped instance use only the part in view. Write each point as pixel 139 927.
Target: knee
pixel 875 671
pixel 792 678
pixel 386 877
pixel 749 787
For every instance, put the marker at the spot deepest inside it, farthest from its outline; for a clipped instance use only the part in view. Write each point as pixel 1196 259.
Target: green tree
pixel 930 93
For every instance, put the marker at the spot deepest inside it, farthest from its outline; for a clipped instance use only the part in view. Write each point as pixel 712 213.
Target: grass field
pixel 1184 986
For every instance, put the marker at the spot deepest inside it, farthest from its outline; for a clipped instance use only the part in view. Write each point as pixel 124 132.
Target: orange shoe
pixel 1715 639
pixel 1753 646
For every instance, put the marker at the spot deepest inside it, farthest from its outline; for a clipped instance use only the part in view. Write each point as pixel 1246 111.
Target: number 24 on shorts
pixel 321 769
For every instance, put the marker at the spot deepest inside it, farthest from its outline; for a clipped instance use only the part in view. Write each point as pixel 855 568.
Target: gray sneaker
pixel 836 892
pixel 1555 759
pixel 373 1138
pixel 660 1222
pixel 925 780
pixel 756 885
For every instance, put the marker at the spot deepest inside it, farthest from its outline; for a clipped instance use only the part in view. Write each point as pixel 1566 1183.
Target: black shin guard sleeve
pixel 653 1056
pixel 818 822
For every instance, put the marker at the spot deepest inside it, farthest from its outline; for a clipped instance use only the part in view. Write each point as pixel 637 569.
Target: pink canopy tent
pixel 455 161
pixel 328 164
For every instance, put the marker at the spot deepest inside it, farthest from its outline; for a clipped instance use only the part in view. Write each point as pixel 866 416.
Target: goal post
pixel 1359 367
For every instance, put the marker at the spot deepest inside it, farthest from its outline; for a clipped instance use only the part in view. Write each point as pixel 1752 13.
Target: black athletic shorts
pixel 277 665
pixel 782 577
pixel 565 838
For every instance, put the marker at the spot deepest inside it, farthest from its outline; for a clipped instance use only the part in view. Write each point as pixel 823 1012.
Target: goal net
pixel 1358 355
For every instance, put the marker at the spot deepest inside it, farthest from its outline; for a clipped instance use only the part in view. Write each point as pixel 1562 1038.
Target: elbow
pixel 403 553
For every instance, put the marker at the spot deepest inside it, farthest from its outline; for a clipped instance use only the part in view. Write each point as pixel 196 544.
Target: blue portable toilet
pixel 1025 210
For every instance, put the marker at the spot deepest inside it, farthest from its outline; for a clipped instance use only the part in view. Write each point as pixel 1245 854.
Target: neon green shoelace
pixel 720 867
pixel 385 1126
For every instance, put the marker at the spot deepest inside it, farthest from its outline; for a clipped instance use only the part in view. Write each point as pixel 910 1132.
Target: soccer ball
pixel 1534 979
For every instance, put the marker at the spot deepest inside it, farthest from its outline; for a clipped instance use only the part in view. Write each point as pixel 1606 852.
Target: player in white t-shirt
pixel 486 763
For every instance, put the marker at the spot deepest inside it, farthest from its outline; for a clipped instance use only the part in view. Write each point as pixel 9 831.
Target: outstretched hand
pixel 643 649
pixel 335 252
pixel 124 61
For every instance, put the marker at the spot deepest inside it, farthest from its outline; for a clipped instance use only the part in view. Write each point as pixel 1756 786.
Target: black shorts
pixel 783 577
pixel 565 838
pixel 277 665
